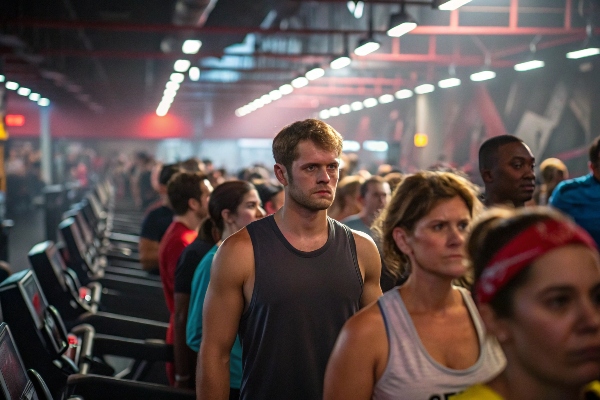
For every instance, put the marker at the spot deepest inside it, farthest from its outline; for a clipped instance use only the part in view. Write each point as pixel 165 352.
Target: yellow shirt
pixel 483 392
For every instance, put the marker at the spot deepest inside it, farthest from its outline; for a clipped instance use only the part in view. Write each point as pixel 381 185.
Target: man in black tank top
pixel 287 283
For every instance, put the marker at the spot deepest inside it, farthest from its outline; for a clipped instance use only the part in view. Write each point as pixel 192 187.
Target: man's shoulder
pixel 159 212
pixel 575 183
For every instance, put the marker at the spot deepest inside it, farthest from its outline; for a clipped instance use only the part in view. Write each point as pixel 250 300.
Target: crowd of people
pixel 316 283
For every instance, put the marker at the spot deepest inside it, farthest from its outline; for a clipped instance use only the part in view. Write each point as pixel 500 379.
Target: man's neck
pixel 492 200
pixel 300 221
pixel 189 219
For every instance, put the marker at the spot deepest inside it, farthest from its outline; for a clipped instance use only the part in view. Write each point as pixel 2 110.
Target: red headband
pixel 524 249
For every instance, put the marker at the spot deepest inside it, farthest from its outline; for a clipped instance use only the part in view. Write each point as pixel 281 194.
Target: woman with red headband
pixel 423 340
pixel 537 286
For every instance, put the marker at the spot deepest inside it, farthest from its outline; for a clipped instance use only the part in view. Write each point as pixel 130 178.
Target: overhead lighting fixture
pixel 182 65
pixel 172 85
pixel 286 89
pixel 401 23
pixel 356 8
pixel 194 74
pixel 334 111
pixel 258 103
pixel 450 5
pixel 386 98
pixel 424 88
pixel 587 52
pixel 350 145
pixel 366 46
pixel 2 78
pixel 345 109
pixel 315 73
pixel 23 91
pixel 324 114
pixel 167 100
pixel 483 76
pixel 449 82
pixel 529 65
pixel 403 94
pixel 44 102
pixel 420 139
pixel 370 102
pixel 240 112
pixel 300 82
pixel 340 62
pixel 177 77
pixel 266 99
pixel 10 85
pixel 357 106
pixel 170 93
pixel 275 94
pixel 34 96
pixel 162 109
pixel 191 46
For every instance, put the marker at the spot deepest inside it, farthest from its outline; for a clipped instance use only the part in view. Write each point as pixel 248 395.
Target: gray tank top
pixel 411 373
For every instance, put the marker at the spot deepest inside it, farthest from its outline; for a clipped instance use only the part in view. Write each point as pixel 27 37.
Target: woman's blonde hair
pixel 412 200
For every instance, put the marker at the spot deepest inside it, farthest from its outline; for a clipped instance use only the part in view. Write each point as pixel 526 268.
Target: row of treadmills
pixel 85 321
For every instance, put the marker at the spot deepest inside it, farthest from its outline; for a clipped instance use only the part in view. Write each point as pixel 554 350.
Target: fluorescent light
pixel 43 102
pixel 324 114
pixel 286 89
pixel 2 78
pixel 424 88
pixel 366 47
pixel 194 74
pixel 10 85
pixel 266 99
pixel 240 112
pixel 182 65
pixel 258 103
pixel 529 65
pixel 172 85
pixel 23 91
pixel 403 94
pixel 299 82
pixel 590 51
pixel 167 100
pixel 452 4
pixel 357 106
pixel 340 62
pixel 275 95
pixel 334 111
pixel 162 110
pixel 251 106
pixel 177 77
pixel 34 96
pixel 370 102
pixel 401 29
pixel 483 76
pixel 345 109
pixel 449 82
pixel 386 98
pixel 350 145
pixel 315 73
pixel 356 8
pixel 191 46
pixel 375 145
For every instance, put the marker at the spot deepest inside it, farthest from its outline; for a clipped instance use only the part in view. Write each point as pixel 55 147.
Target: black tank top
pixel 299 304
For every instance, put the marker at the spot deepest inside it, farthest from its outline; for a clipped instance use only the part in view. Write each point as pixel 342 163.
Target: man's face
pixel 313 177
pixel 512 176
pixel 376 198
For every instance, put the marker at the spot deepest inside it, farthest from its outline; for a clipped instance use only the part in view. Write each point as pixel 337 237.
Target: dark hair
pixel 488 152
pixel 595 152
pixel 182 187
pixel 492 231
pixel 412 200
pixel 226 196
pixel 364 188
pixel 285 144
pixel 166 172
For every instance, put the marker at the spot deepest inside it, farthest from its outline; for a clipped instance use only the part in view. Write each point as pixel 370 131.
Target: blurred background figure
pixel 346 202
pixel 553 171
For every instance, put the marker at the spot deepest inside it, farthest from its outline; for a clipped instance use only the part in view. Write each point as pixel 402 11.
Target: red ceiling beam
pixel 220 30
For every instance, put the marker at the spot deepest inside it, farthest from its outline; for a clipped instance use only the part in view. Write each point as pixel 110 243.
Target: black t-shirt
pixel 156 223
pixel 187 263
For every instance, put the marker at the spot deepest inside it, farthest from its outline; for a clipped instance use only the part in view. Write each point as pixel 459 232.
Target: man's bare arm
pixel 223 308
pixel 148 254
pixel 369 262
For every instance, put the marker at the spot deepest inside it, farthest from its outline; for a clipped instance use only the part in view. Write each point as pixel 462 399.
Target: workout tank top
pixel 299 304
pixel 411 373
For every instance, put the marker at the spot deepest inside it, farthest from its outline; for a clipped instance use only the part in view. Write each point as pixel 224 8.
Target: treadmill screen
pixel 11 369
pixel 36 303
pixel 57 264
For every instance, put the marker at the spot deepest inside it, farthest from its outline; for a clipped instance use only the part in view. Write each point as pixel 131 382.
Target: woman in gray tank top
pixel 423 340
